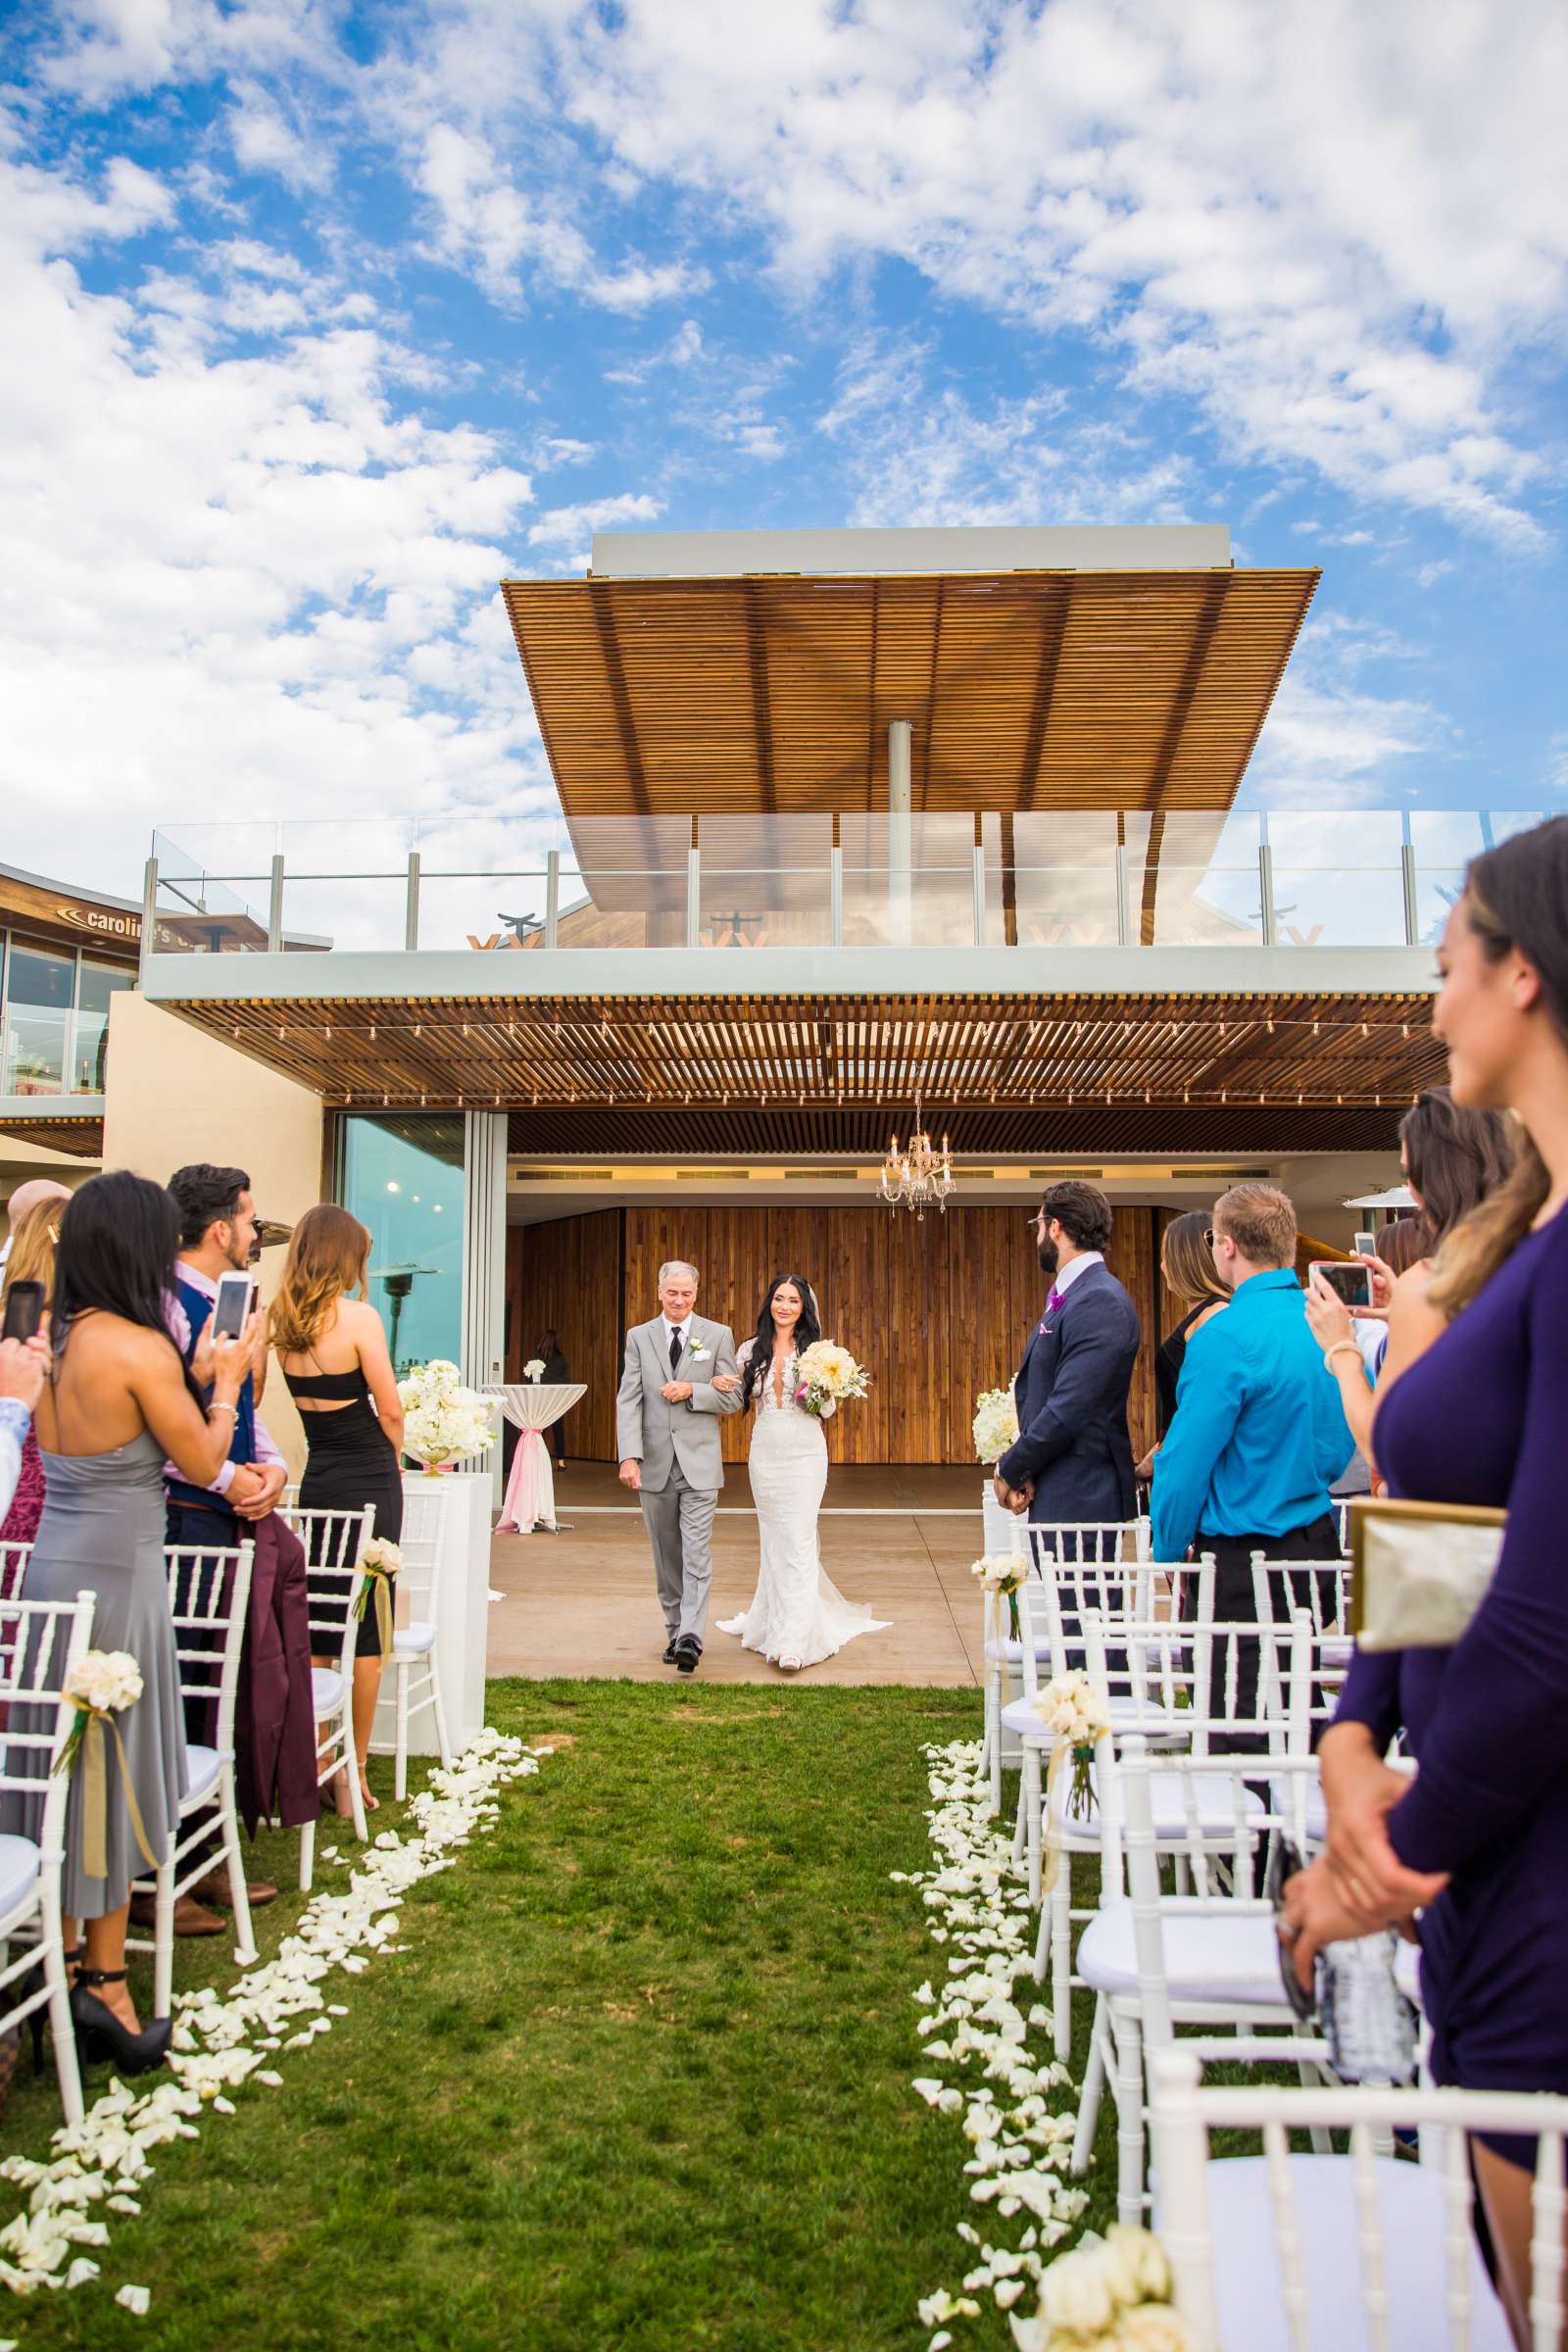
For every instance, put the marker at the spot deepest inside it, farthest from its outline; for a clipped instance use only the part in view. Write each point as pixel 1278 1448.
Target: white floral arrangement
pixel 105 1682
pixel 1079 1716
pixel 444 1422
pixel 1000 1571
pixel 101 1685
pixel 1110 2294
pixel 534 1369
pixel 827 1374
pixel 996 1424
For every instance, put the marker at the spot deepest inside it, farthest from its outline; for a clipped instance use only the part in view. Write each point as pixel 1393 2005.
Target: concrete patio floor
pixel 582 1603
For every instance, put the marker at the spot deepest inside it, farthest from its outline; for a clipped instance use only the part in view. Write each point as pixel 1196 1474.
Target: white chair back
pixel 1320 1587
pixel 1117 1591
pixel 420 1544
pixel 1155 1670
pixel 208 1592
pixel 41 1641
pixel 1326 2251
pixel 334 1542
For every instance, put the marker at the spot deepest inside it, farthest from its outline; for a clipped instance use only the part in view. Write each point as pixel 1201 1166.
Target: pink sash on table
pixel 521 1510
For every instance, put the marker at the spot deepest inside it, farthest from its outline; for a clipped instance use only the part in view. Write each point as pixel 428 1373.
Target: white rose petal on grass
pixel 135 2300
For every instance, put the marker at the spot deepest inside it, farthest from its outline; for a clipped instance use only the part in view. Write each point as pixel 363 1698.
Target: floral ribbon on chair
pixel 1000 1573
pixel 380 1560
pixel 1079 1717
pixel 101 1685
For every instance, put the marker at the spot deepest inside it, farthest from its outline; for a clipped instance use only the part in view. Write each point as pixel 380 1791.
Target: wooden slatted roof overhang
pixel 1025 690
pixel 637 1054
pixel 83 1139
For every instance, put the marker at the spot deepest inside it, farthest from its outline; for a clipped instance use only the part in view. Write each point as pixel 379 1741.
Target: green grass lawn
pixel 641 2077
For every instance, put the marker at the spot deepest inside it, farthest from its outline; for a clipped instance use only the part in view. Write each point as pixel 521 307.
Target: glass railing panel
pixel 89 1051
pixel 201 913
pixel 1344 905
pixel 764 907
pixel 488 913
pixel 1056 907
pixel 33 1041
pixel 908 908
pixel 1196 907
pixel 354 911
pixel 1329 840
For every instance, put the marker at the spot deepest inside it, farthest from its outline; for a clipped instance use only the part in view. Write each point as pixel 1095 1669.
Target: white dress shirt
pixel 179 1332
pixel 1065 1275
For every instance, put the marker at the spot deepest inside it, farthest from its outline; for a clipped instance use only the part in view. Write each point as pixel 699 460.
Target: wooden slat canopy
pixel 627 1055
pixel 1025 690
pixel 83 1139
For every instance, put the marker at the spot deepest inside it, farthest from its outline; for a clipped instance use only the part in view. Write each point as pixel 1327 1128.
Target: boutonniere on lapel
pixel 700 1355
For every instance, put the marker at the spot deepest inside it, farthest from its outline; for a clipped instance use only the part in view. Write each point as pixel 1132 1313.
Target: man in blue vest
pixel 217 1233
pixel 1073 1459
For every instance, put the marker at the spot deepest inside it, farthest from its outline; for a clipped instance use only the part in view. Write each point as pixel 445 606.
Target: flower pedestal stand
pixel 446 1553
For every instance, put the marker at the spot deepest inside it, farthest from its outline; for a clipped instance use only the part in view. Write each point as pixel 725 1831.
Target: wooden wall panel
pixel 569 1276
pixel 936 1310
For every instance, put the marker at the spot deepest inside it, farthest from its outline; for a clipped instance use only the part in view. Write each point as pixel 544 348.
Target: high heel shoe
pixel 100 2034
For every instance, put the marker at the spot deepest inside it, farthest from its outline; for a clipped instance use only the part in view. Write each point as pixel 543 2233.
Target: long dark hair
pixel 760 1362
pixel 1455 1157
pixel 1514 897
pixel 115 1256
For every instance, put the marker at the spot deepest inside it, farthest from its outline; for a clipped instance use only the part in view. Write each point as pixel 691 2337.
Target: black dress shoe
pixel 669 1652
pixel 688 1650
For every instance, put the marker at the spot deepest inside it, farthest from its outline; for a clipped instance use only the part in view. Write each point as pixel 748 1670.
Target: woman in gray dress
pixel 119 1402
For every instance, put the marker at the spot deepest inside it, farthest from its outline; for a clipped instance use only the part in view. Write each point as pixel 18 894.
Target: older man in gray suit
pixel 668 1414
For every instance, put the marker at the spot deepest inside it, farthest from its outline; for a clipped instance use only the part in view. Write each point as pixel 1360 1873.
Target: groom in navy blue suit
pixel 1073 1459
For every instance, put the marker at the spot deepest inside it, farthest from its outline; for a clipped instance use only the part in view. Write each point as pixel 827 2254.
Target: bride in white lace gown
pixel 797 1617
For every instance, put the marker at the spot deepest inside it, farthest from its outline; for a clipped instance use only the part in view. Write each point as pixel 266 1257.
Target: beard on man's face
pixel 1050 1257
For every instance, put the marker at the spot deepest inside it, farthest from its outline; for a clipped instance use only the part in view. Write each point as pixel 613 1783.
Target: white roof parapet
pixel 1009 547
pixel 463 974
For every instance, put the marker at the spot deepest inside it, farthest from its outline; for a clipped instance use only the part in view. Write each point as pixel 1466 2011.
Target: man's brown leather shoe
pixel 215 1888
pixel 189 1917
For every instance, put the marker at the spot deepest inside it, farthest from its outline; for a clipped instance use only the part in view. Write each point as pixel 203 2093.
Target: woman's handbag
pixel 1419 1570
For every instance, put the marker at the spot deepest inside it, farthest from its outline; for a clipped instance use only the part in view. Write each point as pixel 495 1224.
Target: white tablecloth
pixel 533 1407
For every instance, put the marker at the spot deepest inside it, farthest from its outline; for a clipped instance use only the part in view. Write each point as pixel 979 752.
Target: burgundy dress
pixel 1483 1418
pixel 26 1506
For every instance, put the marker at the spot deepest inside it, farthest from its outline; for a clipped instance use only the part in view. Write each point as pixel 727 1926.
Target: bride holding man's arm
pixel 796 1618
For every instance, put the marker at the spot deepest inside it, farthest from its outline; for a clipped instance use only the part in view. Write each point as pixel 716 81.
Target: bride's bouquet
pixel 827 1376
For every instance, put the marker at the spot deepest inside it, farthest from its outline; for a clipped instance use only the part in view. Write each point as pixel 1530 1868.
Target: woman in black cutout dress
pixel 335 1356
pixel 1187 1268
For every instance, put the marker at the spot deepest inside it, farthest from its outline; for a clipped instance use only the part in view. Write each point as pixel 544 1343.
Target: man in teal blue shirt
pixel 1259 1434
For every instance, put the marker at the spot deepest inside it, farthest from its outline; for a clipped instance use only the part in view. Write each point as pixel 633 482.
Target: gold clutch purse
pixel 1419 1570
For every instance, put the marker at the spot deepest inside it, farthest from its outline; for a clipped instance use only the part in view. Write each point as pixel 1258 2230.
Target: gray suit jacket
pixel 659 1435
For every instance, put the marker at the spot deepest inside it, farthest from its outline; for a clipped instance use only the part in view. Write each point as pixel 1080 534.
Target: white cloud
pixel 239 573
pixel 573 526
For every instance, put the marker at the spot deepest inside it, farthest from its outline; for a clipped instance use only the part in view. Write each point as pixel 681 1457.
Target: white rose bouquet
pixel 1079 1715
pixel 534 1369
pixel 444 1422
pixel 827 1376
pixel 1002 1573
pixel 380 1560
pixel 996 1424
pixel 1110 2294
pixel 101 1684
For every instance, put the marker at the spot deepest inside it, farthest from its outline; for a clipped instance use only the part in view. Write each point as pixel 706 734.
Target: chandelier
pixel 919 1177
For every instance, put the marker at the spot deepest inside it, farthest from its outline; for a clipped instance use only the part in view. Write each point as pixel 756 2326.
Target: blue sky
pixel 321 319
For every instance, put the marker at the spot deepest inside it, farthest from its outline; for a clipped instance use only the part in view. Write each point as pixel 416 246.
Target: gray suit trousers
pixel 680 1529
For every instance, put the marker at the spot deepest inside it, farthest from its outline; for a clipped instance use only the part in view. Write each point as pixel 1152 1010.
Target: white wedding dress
pixel 796 1612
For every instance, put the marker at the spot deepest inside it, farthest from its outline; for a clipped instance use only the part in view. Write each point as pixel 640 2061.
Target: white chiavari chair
pixel 208 1592
pixel 41 1641
pixel 1206 1956
pixel 1070 1551
pixel 1290 2252
pixel 416 1649
pixel 1002 1653
pixel 334 1542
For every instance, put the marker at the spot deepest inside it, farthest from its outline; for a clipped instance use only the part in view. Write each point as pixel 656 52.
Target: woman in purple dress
pixel 1478 1843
